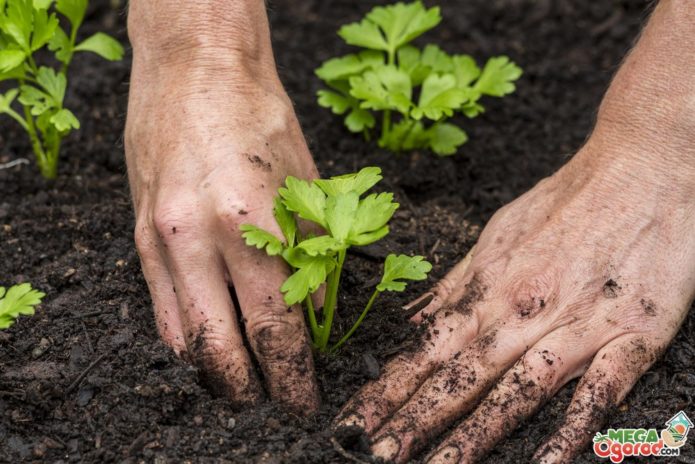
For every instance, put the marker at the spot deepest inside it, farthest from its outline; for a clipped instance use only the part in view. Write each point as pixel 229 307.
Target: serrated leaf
pixel 445 138
pixel 307 279
pixel 439 97
pixel 369 237
pixel 305 199
pixel 45 26
pixel 364 34
pixel 409 61
pixel 103 45
pixel 385 88
pixel 74 10
pixel 359 120
pixel 343 67
pixel 11 59
pixel 37 100
pixel 336 102
pixel 498 76
pixel 18 22
pixel 401 23
pixel 61 46
pixel 465 70
pixel 286 221
pixel 63 120
pixel 436 59
pixel 53 83
pixel 18 300
pixel 358 182
pixel 321 245
pixel 340 214
pixel 401 267
pixel 261 239
pixel 374 212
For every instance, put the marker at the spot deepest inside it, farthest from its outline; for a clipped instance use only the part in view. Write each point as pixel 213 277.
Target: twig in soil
pixel 86 335
pixel 84 373
pixel 341 451
pixel 90 314
pixel 14 163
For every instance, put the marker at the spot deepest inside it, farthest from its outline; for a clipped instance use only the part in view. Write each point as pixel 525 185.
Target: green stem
pixel 386 119
pixel 330 302
pixel 14 115
pixel 357 323
pixel 312 317
pixel 40 153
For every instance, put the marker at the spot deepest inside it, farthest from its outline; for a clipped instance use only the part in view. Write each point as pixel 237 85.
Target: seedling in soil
pixel 17 300
pixel 337 206
pixel 423 87
pixel 26 28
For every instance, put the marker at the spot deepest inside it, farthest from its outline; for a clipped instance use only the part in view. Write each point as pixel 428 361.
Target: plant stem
pixel 357 323
pixel 386 120
pixel 330 302
pixel 14 115
pixel 40 153
pixel 312 317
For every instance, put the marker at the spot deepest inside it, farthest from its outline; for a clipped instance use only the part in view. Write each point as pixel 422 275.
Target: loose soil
pixel 87 380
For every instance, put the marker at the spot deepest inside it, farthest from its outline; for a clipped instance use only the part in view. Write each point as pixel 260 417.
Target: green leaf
pixel 373 213
pixel 38 100
pixel 436 59
pixel 11 59
pixel 498 76
pixel 340 214
pixel 402 267
pixel 18 22
pixel 7 99
pixel 103 45
pixel 445 138
pixel 261 239
pixel 359 120
pixel 349 65
pixel 409 61
pixel 369 237
pixel 405 135
pixel 305 199
pixel 53 83
pixel 321 245
pixel 42 4
pixel 358 182
pixel 45 26
pixel 439 97
pixel 18 300
pixel 465 70
pixel 336 102
pixel 307 279
pixel 385 88
pixel 74 10
pixel 286 221
pixel 390 27
pixel 62 47
pixel 64 120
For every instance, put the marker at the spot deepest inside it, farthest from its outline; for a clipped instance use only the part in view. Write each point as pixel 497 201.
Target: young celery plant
pixel 337 206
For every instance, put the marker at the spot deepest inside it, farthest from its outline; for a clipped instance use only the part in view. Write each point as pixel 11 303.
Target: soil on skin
pixel 87 380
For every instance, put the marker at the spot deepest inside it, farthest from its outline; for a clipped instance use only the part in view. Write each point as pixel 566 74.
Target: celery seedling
pixel 26 27
pixel 423 87
pixel 349 219
pixel 17 300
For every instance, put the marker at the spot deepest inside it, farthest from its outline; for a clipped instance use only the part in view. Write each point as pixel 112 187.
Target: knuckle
pixel 275 336
pixel 232 216
pixel 171 217
pixel 145 242
pixel 209 352
pixel 530 295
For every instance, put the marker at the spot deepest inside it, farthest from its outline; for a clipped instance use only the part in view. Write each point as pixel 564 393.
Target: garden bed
pixel 87 380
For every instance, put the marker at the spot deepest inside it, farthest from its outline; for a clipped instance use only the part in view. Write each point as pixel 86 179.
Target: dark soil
pixel 86 379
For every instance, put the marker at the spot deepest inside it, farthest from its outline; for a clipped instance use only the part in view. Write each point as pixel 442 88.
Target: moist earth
pixel 87 380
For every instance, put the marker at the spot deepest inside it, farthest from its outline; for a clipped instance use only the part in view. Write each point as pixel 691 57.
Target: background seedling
pixel 336 205
pixel 17 300
pixel 423 87
pixel 27 27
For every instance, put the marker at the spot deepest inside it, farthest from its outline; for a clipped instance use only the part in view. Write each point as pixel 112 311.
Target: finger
pixel 451 392
pixel 213 339
pixel 536 377
pixel 447 333
pixel 161 287
pixel 276 332
pixel 611 375
pixel 442 291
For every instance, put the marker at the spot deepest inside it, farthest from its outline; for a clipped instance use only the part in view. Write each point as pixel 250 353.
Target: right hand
pixel 209 139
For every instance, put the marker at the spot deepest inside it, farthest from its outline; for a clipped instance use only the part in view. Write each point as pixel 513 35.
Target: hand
pixel 590 274
pixel 210 136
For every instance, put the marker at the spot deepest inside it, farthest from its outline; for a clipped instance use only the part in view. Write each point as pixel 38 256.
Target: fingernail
pixel 387 448
pixel 419 303
pixel 353 420
pixel 448 455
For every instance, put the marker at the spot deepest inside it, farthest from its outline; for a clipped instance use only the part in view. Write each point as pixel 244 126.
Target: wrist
pixel 209 34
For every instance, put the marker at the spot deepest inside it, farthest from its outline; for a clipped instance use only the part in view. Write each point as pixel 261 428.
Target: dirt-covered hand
pixel 210 136
pixel 590 274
